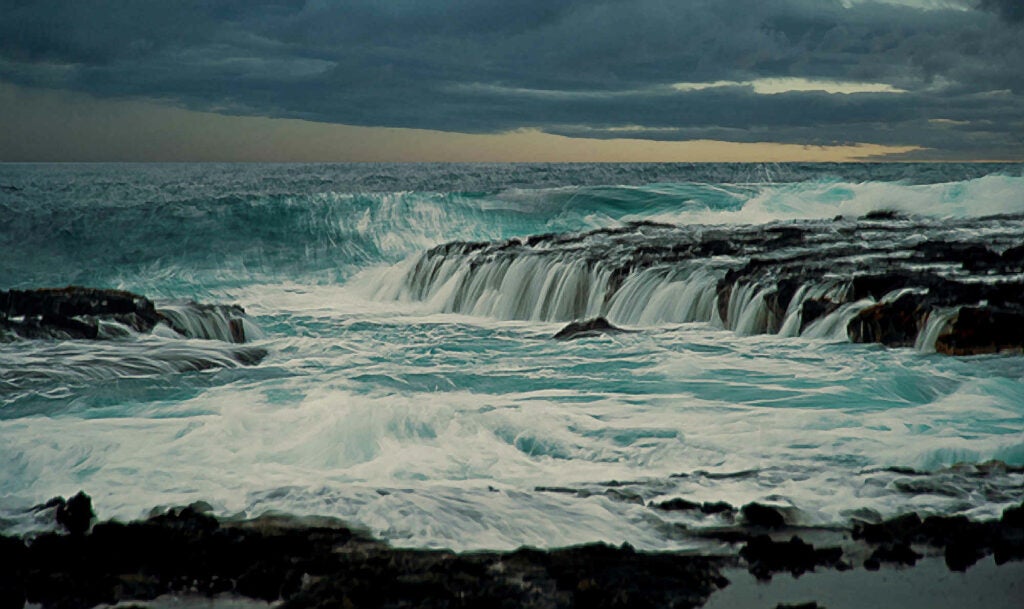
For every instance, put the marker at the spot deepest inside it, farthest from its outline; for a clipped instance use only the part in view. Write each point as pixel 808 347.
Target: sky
pixel 501 80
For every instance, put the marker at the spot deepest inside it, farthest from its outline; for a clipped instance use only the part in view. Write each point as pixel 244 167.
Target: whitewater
pixel 410 384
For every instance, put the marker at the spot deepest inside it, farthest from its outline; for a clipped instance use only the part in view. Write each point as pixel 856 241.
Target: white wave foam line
pixel 985 196
pixel 435 454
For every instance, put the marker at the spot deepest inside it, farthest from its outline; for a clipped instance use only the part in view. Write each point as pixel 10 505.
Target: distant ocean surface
pixel 434 415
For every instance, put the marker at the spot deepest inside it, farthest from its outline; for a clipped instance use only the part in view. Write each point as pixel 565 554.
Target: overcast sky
pixel 922 79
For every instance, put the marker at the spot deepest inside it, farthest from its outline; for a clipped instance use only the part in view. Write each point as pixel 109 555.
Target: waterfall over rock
pixel 883 278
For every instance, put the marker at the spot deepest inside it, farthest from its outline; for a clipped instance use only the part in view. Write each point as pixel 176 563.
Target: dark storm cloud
pixel 1011 10
pixel 587 68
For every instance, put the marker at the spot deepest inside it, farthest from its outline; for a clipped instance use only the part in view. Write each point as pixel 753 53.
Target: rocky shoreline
pixel 316 562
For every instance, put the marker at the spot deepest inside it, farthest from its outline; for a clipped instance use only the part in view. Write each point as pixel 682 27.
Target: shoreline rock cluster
pixel 83 313
pixel 319 562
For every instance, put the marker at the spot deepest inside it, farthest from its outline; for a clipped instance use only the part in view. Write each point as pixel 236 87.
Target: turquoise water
pixel 466 427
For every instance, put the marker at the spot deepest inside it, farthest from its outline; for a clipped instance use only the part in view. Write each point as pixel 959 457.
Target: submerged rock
pixel 206 321
pixel 590 327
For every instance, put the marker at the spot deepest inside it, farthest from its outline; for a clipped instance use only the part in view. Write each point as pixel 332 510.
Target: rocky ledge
pixel 78 313
pixel 954 286
pixel 321 562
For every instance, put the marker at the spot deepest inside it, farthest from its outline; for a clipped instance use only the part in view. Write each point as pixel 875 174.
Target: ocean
pixel 410 384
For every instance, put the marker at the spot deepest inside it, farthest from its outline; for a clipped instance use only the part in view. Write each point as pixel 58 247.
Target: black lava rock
pixel 590 327
pixel 76 514
pixel 758 515
pixel 765 557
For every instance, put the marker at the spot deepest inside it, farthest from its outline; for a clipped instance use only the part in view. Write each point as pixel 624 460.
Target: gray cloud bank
pixel 595 68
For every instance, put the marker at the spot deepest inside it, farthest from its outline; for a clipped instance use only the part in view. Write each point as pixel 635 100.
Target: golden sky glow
pixel 45 125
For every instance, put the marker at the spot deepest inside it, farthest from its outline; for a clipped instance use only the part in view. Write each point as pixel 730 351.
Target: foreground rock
pixel 964 542
pixel 318 564
pixel 76 313
pixel 321 563
pixel 765 556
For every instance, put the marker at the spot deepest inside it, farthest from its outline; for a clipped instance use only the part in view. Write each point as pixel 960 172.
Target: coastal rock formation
pixel 952 286
pixel 765 557
pixel 590 327
pixel 318 562
pixel 75 313
pixel 983 329
pixel 963 541
pixel 322 563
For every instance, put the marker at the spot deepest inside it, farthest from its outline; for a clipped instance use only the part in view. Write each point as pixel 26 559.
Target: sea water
pixel 435 423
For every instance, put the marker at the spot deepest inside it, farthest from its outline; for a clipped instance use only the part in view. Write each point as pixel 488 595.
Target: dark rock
pixel 186 550
pixel 76 514
pixel 1014 256
pixel 74 301
pixel 206 321
pixel 979 330
pixel 963 553
pixel 893 324
pixel 1014 517
pixel 902 528
pixel 814 309
pixel 964 541
pixel 765 557
pixel 758 515
pixel 899 553
pixel 590 327
pixel 883 214
pixel 72 312
pixel 676 505
pixel 682 505
pixel 717 507
pixel 249 356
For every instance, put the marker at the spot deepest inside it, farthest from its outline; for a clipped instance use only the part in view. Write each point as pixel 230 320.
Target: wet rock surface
pixel 591 327
pixel 77 313
pixel 73 312
pixel 765 556
pixel 983 330
pixel 309 564
pixel 964 542
pixel 894 279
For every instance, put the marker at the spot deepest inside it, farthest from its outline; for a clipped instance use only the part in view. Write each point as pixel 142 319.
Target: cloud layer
pixel 945 75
